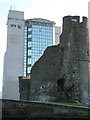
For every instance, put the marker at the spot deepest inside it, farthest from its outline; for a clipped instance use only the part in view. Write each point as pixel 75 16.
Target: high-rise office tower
pixel 26 42
pixel 13 59
pixel 39 33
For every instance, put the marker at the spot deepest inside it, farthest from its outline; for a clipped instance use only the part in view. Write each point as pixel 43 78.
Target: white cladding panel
pixel 57 35
pixel 13 61
pixel 16 14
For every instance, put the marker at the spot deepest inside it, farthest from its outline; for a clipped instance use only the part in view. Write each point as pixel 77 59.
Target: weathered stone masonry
pixel 24 86
pixel 61 74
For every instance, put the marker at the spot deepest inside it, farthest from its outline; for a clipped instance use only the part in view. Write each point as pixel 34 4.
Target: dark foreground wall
pixel 26 110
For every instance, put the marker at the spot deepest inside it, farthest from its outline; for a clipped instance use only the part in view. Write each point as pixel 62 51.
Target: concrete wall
pixel 13 60
pixel 26 110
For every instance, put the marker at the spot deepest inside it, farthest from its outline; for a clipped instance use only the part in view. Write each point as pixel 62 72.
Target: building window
pixel 29 36
pixel 29 44
pixel 29 29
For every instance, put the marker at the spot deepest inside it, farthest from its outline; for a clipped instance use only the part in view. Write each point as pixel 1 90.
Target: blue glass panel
pixel 28 69
pixel 29 44
pixel 29 52
pixel 29 29
pixel 29 36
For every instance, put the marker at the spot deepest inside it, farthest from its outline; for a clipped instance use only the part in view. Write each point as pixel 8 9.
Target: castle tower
pixel 75 41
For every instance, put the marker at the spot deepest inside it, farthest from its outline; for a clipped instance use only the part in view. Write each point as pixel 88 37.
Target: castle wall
pixel 62 73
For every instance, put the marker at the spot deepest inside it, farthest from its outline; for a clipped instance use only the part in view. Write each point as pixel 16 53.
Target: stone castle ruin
pixel 62 73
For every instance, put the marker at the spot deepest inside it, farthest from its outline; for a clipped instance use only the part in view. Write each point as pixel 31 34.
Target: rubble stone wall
pixel 62 73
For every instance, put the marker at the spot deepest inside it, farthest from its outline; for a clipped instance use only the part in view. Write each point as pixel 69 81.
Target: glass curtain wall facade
pixel 38 35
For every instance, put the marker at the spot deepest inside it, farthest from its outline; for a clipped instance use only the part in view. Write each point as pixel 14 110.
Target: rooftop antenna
pixel 11 7
pixel 14 7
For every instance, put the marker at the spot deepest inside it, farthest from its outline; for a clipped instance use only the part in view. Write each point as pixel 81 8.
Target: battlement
pixel 74 21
